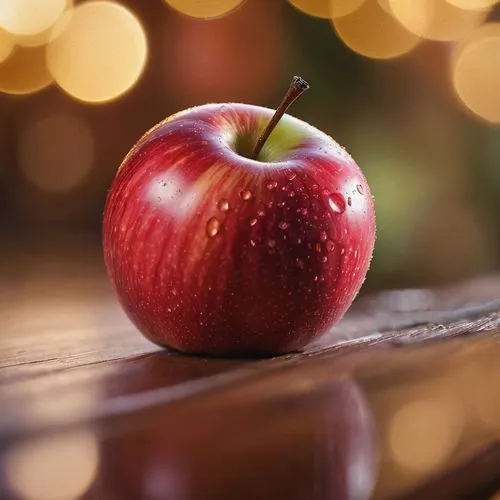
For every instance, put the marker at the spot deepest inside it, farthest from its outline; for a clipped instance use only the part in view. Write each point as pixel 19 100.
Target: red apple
pixel 222 239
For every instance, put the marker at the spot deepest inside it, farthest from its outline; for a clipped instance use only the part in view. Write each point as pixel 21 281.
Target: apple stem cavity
pixel 297 86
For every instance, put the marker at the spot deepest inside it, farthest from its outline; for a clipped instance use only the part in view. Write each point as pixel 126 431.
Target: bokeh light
pixel 327 8
pixel 476 72
pixel 49 34
pixel 473 4
pixel 56 152
pixel 484 408
pixel 316 8
pixel 341 8
pixel 386 6
pixel 424 434
pixel 24 71
pixel 435 19
pixel 372 32
pixel 6 45
pixel 100 54
pixel 59 467
pixel 204 9
pixel 28 17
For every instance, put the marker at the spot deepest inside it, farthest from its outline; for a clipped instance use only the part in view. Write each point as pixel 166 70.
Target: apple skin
pixel 212 252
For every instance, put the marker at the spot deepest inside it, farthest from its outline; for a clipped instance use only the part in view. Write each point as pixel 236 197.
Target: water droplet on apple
pixel 252 222
pixel 281 204
pixel 349 201
pixel 330 245
pixel 318 247
pixel 270 204
pixel 271 243
pixel 304 200
pixel 252 243
pixel 283 225
pixel 261 213
pixel 292 177
pixel 337 203
pixel 359 187
pixel 342 251
pixel 245 194
pixel 299 241
pixel 324 258
pixel 174 291
pixel 272 185
pixel 213 227
pixel 223 205
pixel 323 236
pixel 284 188
pixel 299 263
pixel 291 194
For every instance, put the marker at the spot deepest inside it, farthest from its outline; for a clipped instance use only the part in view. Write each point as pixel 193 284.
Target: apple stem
pixel 297 86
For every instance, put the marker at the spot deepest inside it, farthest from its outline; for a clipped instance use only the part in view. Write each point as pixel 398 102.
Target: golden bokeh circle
pixel 56 152
pixel 476 72
pixel 435 19
pixel 53 467
pixel 372 32
pixel 424 434
pixel 29 17
pixel 316 8
pixel 37 40
pixel 24 71
pixel 50 34
pixel 386 5
pixel 205 9
pixel 100 54
pixel 326 9
pixel 340 8
pixel 6 45
pixel 473 4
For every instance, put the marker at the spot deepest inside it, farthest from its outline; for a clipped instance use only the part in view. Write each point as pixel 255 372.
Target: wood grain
pixel 297 426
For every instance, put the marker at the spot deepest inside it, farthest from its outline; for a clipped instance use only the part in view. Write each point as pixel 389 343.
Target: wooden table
pixel 405 405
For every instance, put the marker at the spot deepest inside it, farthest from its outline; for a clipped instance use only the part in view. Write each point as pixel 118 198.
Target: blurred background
pixel 410 88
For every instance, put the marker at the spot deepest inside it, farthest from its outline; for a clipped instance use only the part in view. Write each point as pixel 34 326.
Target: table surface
pixel 400 401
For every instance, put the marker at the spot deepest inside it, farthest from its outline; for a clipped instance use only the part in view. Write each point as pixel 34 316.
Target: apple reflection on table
pixel 325 449
pixel 405 420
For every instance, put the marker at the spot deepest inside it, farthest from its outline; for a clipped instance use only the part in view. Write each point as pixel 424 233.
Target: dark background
pixel 431 162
